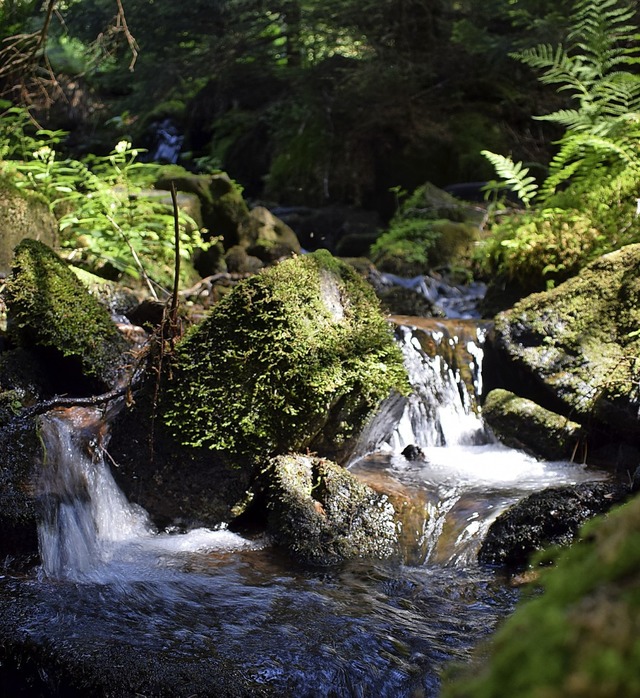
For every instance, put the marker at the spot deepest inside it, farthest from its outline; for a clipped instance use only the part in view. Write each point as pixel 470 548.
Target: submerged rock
pixel 321 514
pixel 551 517
pixel 522 424
pixel 296 357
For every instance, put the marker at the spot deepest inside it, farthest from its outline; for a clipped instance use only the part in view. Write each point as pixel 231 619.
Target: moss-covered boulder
pixel 521 423
pixel 295 357
pixel 225 213
pixel 575 348
pixel 23 214
pixel 179 486
pixel 223 208
pixel 267 237
pixel 581 637
pixel 51 314
pixel 321 514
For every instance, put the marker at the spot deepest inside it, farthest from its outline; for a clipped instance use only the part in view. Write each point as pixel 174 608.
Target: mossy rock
pixel 267 237
pixel 177 485
pixel 295 357
pixel 578 343
pixel 23 214
pixel 521 423
pixel 321 514
pixel 581 637
pixel 224 210
pixel 50 312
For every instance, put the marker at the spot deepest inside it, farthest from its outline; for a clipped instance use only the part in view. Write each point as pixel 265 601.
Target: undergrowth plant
pixel 109 221
pixel 595 174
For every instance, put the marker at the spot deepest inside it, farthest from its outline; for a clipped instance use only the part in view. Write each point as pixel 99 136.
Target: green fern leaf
pixel 515 175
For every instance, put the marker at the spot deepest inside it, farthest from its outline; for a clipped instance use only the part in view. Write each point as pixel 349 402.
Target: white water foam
pixel 89 531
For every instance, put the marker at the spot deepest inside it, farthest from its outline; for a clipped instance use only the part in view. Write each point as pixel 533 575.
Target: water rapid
pixel 209 613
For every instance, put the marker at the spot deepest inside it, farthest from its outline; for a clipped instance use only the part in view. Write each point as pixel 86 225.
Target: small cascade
pixel 463 478
pixel 88 530
pixel 444 362
pixel 83 512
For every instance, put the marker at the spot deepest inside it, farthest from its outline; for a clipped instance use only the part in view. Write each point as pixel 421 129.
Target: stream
pixel 117 608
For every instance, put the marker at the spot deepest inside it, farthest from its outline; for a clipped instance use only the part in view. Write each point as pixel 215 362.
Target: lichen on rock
pixel 521 423
pixel 321 514
pixel 579 342
pixel 295 357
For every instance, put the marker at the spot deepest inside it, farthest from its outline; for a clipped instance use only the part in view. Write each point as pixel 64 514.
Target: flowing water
pixel 185 605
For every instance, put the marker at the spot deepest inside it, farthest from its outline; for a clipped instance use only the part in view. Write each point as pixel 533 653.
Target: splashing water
pixel 465 478
pixel 88 529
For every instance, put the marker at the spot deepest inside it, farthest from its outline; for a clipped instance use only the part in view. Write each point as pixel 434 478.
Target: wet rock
pixel 551 517
pixel 522 424
pixel 573 348
pixel 321 514
pixel 413 452
pixel 20 454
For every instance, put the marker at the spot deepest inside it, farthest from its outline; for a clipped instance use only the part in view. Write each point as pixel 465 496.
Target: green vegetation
pixel 107 221
pixel 263 373
pixel 49 309
pixel 428 231
pixel 581 638
pixel 586 203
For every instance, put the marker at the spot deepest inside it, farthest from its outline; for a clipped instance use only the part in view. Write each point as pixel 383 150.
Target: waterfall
pixel 83 512
pixel 442 409
pixel 88 530
pixel 463 478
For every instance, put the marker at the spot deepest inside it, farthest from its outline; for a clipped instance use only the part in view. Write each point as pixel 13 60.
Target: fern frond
pixel 570 118
pixel 558 177
pixel 515 175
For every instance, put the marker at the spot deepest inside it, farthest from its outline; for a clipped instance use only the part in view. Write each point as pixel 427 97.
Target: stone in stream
pixel 522 424
pixel 574 349
pixel 321 514
pixel 551 517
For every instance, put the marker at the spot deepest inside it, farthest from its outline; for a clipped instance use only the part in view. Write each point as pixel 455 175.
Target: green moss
pixel 581 339
pixel 48 307
pixel 521 423
pixel 264 371
pixel 581 638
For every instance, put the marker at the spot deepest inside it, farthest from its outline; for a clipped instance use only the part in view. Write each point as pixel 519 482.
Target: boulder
pixel 295 357
pixel 267 237
pixel 573 349
pixel 52 315
pixel 551 517
pixel 522 424
pixel 225 213
pixel 321 514
pixel 23 215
